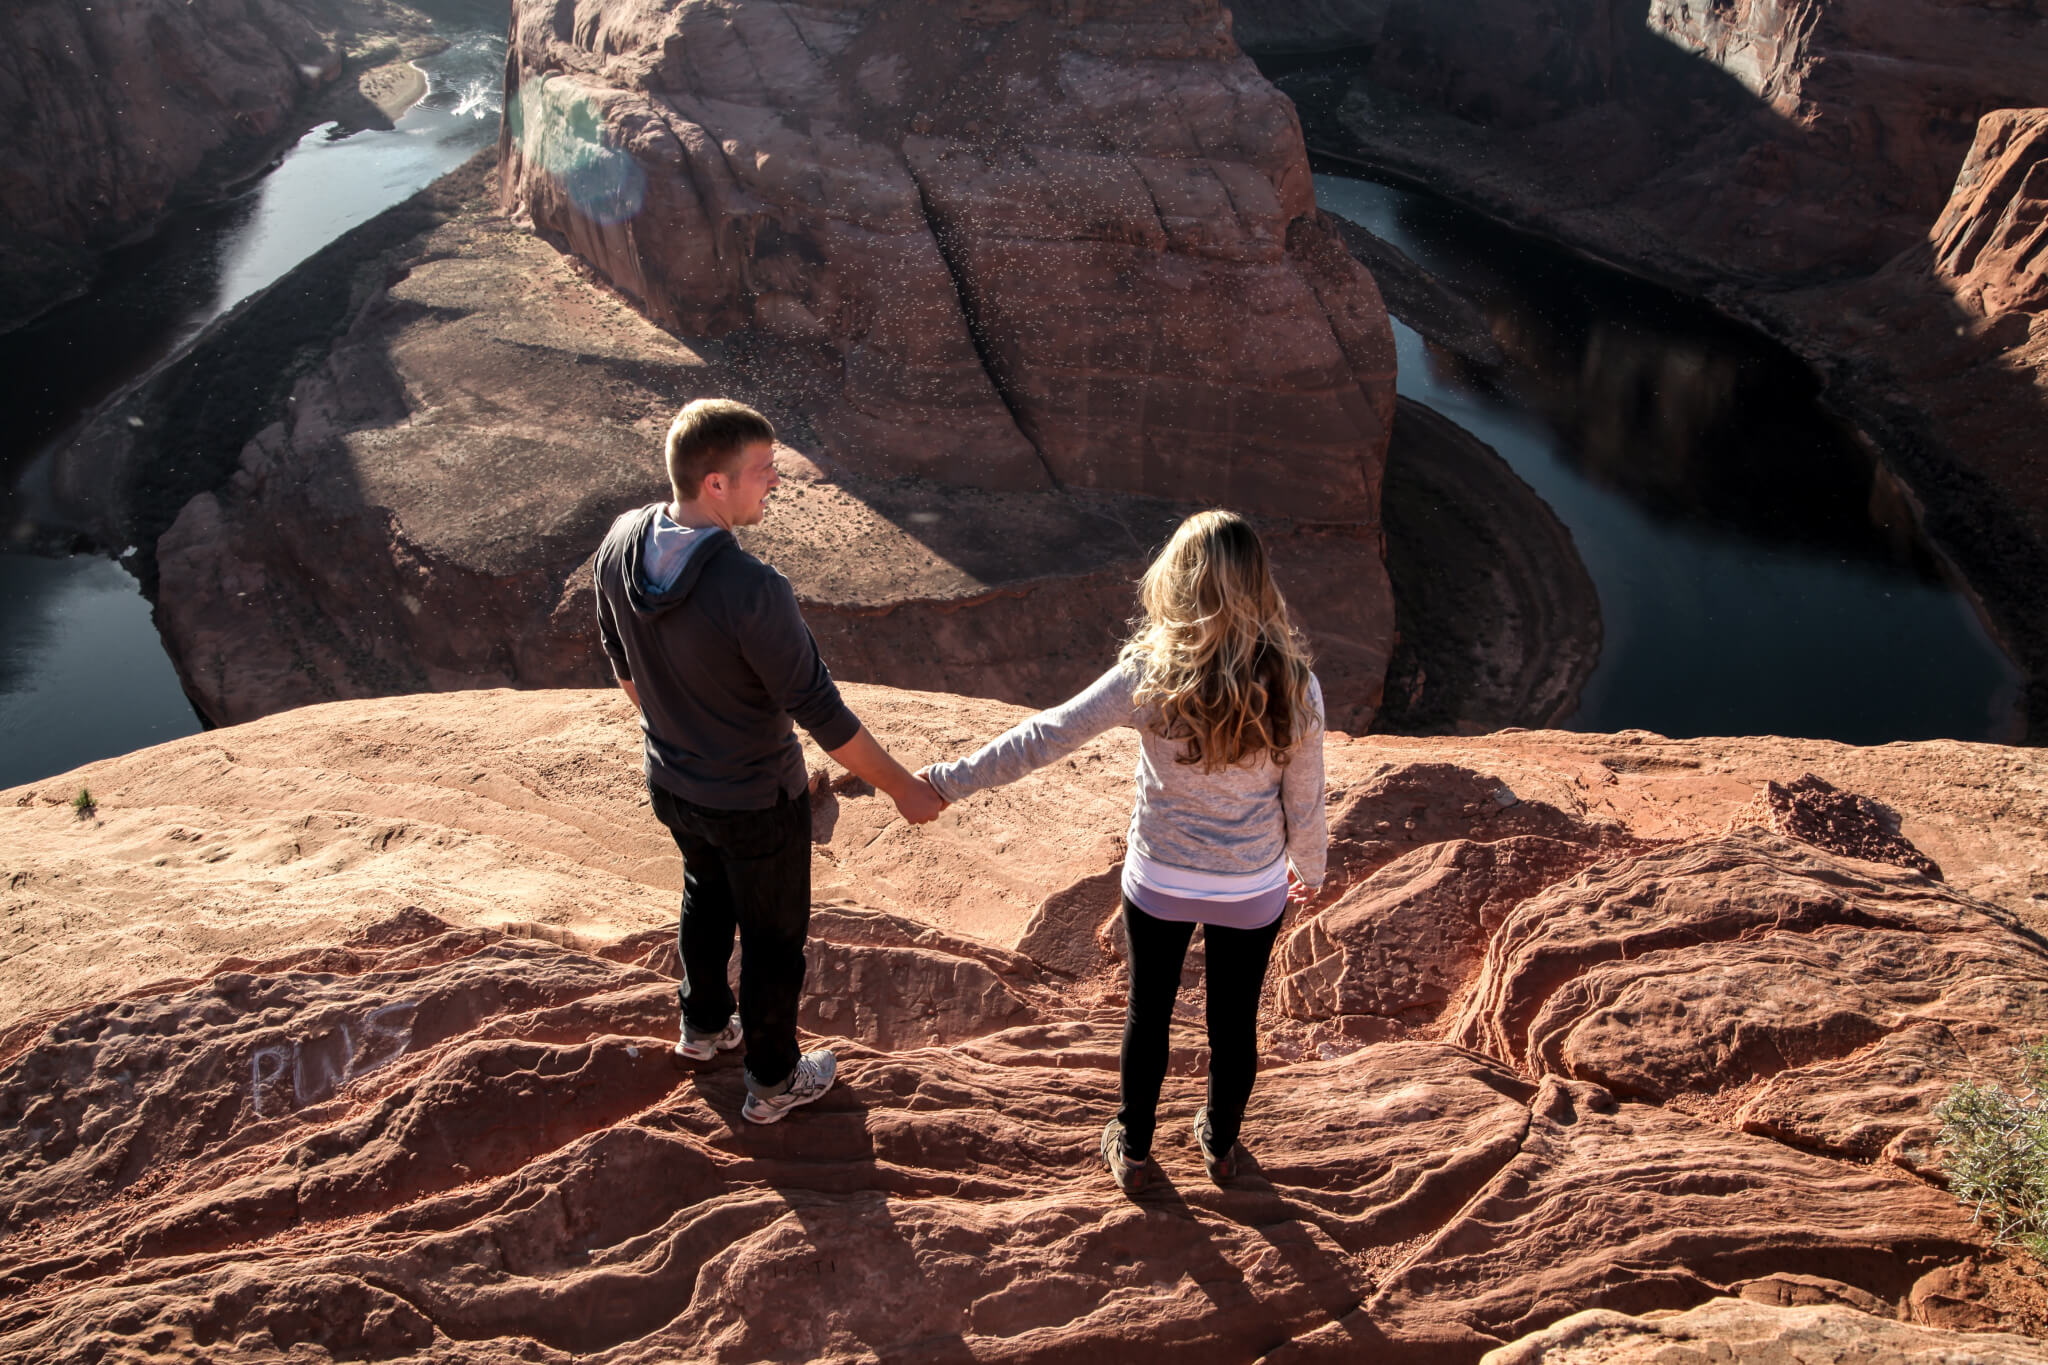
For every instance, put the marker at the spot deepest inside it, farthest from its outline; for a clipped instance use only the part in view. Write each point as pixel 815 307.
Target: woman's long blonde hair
pixel 1220 665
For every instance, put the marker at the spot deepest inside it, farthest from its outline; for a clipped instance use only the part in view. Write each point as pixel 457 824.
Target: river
pixel 83 674
pixel 1759 570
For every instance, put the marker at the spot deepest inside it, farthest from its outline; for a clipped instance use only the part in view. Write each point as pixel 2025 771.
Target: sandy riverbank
pixel 393 88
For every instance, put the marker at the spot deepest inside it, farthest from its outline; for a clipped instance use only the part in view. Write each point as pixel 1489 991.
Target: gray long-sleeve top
pixel 1235 820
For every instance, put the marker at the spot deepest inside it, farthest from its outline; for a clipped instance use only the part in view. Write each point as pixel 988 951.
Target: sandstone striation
pixel 344 1033
pixel 1823 1002
pixel 120 107
pixel 1001 246
pixel 1739 1331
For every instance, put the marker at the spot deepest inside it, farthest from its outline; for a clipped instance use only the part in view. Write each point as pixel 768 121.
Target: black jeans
pixel 1237 973
pixel 748 870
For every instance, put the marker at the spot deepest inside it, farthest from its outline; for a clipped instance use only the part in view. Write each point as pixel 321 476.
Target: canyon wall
pixel 1018 297
pixel 1772 139
pixel 1001 245
pixel 114 106
pixel 406 498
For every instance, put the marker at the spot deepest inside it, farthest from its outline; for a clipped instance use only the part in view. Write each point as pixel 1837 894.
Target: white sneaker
pixel 812 1078
pixel 705 1048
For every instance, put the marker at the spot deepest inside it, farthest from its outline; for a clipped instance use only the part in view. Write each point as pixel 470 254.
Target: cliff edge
pixel 345 1033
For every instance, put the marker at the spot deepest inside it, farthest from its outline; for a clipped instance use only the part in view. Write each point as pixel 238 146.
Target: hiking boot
pixel 1129 1172
pixel 701 1047
pixel 1222 1166
pixel 812 1078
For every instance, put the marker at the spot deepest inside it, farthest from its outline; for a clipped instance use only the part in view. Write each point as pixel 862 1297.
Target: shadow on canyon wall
pixel 1703 423
pixel 1594 130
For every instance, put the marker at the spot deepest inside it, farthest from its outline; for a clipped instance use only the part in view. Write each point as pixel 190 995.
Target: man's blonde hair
pixel 708 435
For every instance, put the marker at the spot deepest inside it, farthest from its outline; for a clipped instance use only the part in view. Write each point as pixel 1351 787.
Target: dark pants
pixel 748 870
pixel 1237 972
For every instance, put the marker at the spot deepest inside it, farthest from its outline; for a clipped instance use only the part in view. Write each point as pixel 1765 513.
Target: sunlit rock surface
pixel 345 1033
pixel 1814 1332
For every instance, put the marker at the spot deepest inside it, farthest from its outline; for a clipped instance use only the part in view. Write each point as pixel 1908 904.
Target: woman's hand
pixel 1299 892
pixel 920 802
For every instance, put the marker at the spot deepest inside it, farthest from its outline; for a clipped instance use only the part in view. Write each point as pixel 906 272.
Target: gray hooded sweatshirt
pixel 722 660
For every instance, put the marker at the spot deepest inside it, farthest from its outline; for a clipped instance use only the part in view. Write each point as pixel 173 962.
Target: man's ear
pixel 714 483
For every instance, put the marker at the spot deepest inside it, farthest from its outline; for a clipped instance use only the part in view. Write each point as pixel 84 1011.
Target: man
pixel 709 644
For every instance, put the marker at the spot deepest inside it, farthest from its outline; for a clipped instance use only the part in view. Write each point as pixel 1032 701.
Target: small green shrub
pixel 82 805
pixel 1995 1143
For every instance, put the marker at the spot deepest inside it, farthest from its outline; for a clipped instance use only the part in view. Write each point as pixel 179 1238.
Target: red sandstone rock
pixel 1596 1194
pixel 999 245
pixel 1739 1332
pixel 465 443
pixel 1989 241
pixel 1840 822
pixel 498 1150
pixel 1831 1002
pixel 1401 943
pixel 425 1110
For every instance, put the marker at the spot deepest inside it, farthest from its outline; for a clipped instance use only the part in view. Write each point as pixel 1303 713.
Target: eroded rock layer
pixel 1740 1331
pixel 346 1033
pixel 1001 245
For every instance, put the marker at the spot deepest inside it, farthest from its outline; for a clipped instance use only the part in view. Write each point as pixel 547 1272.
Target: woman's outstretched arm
pixel 1037 741
pixel 1301 797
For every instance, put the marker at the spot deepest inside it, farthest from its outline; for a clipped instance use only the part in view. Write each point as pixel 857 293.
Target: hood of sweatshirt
pixel 678 555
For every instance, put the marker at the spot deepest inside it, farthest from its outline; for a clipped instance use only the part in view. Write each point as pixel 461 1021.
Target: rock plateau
pixel 344 1034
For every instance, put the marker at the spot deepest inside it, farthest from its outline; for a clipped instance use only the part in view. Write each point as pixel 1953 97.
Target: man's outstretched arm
pixel 865 758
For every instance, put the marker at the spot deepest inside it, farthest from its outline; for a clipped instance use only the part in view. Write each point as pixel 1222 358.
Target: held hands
pixel 920 802
pixel 916 799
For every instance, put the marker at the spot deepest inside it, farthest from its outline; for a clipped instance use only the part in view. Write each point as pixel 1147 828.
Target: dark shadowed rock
pixel 1499 621
pixel 1861 181
pixel 1814 812
pixel 118 107
pixel 1751 138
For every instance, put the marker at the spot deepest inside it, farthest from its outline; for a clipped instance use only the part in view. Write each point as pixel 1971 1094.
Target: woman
pixel 1230 792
